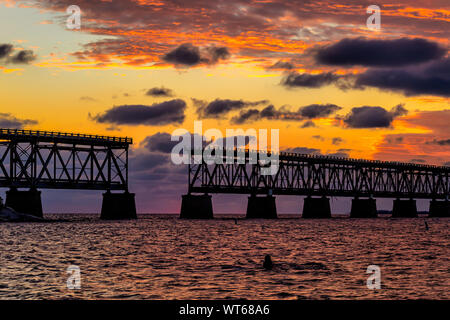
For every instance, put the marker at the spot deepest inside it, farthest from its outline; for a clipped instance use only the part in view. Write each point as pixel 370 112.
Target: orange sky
pixel 123 49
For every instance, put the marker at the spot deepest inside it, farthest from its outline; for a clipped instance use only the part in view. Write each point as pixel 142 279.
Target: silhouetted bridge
pixel 55 160
pixel 322 176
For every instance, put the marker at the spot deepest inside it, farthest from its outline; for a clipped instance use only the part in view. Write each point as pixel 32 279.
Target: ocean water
pixel 163 257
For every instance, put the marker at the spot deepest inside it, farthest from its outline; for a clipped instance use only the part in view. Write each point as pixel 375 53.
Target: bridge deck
pixel 62 137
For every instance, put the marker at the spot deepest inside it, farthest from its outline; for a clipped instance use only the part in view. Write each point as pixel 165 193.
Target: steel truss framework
pixel 42 159
pixel 300 174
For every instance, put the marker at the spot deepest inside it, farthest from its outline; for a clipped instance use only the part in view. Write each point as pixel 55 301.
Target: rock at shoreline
pixel 10 215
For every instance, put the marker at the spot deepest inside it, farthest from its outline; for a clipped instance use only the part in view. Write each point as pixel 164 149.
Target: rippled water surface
pixel 162 257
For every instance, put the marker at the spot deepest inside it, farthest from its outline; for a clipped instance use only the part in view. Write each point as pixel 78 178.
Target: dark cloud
pixel 159 92
pixel 21 57
pixel 220 107
pixel 312 111
pixel 308 124
pixel 143 161
pixel 337 140
pixel 307 80
pixel 159 142
pixel 282 65
pixel 88 99
pixel 398 111
pixel 318 110
pixel 303 150
pixel 446 164
pixel 189 55
pixel 185 54
pixel 9 121
pixel 372 117
pixel 5 50
pixel 338 154
pixel 432 78
pixel 216 53
pixel 341 153
pixel 379 53
pixel 246 116
pixel 444 142
pixel 318 137
pixel 418 161
pixel 157 114
pixel 394 140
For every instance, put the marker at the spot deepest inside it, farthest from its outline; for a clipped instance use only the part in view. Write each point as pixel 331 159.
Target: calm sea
pixel 162 257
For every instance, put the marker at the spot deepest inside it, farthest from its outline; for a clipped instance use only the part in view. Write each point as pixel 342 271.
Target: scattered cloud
pixel 372 117
pixel 88 99
pixel 429 145
pixel 282 65
pixel 308 124
pixel 379 53
pixel 9 121
pixel 318 137
pixel 306 80
pixel 189 55
pixel 444 142
pixel 21 57
pixel 313 111
pixel 341 153
pixel 429 79
pixel 337 141
pixel 5 50
pixel 160 92
pixel 303 150
pixel 159 142
pixel 220 107
pixel 168 112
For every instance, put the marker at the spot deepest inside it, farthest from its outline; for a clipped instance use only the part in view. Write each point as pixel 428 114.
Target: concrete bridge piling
pixel 28 202
pixel 261 207
pixel 404 208
pixel 363 208
pixel 196 207
pixel 316 207
pixel 439 208
pixel 116 206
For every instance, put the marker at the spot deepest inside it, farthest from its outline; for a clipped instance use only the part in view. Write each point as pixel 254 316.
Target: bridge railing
pixel 55 134
pixel 291 156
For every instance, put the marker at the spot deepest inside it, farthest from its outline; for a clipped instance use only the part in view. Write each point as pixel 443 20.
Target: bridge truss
pixel 55 160
pixel 300 174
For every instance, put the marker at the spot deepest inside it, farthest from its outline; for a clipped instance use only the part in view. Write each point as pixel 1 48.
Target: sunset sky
pixel 312 69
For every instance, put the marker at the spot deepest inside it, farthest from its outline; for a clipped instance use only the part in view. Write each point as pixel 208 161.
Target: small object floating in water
pixel 235 221
pixel 426 225
pixel 268 264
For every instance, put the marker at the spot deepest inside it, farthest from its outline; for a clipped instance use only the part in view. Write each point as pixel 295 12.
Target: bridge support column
pixel 404 208
pixel 196 207
pixel 316 208
pixel 439 208
pixel 364 208
pixel 261 207
pixel 118 206
pixel 28 202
